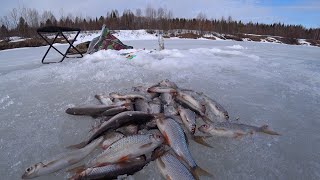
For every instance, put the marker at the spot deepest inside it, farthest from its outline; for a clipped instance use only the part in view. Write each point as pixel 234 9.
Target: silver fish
pixel 168 83
pixel 216 108
pixel 141 105
pixel 115 111
pixel 128 148
pixel 235 130
pixel 190 102
pixel 111 138
pixel 132 117
pixel 171 168
pixel 175 138
pixel 62 161
pixel 170 110
pixel 128 96
pixel 155 106
pixel 110 171
pixel 103 99
pixel 144 90
pixel 188 118
pixel 159 89
pixel 167 98
pixel 130 129
pixel 88 110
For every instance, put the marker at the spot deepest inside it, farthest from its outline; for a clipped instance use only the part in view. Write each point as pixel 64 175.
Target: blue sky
pixel 305 12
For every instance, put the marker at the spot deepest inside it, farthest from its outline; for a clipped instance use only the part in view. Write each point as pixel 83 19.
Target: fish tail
pixel 265 129
pixel 198 171
pixel 77 146
pixel 200 140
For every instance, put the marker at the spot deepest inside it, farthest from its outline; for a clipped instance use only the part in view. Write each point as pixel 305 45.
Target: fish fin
pixel 265 129
pixel 146 145
pixel 77 169
pixel 200 140
pixel 166 138
pixel 161 163
pixel 168 177
pixel 160 116
pixel 77 146
pixel 238 135
pixel 124 158
pixel 198 171
pixel 158 152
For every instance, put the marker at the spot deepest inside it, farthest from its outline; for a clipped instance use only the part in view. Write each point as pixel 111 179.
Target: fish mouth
pixel 24 176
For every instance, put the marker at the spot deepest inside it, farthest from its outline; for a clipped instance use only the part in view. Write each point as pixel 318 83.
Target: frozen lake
pixel 261 83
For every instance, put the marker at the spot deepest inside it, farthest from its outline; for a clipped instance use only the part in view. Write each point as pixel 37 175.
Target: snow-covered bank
pixel 125 35
pixel 262 83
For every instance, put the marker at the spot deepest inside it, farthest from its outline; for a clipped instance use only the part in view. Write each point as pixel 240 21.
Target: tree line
pixel 24 22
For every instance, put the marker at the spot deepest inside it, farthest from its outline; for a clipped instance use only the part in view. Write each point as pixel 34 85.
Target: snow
pixel 304 42
pixel 262 83
pixel 236 47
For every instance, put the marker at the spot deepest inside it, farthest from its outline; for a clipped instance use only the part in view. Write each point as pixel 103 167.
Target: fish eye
pixel 28 169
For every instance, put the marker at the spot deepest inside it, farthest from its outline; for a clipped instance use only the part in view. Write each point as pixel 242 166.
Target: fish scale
pixel 111 171
pixel 177 141
pixel 128 147
pixel 171 168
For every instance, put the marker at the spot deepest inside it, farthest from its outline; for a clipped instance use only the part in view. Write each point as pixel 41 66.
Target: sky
pixel 304 12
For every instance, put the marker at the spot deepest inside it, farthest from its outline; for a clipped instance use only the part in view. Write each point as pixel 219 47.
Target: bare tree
pixel 14 17
pixel 138 12
pixel 201 17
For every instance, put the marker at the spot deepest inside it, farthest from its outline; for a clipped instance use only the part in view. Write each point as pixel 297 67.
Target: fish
pixel 141 105
pixel 132 117
pixel 215 107
pixel 61 161
pixel 176 139
pixel 155 106
pixel 103 99
pixel 172 169
pixel 92 110
pixel 131 96
pixel 188 118
pixel 234 130
pixel 159 89
pixel 112 171
pixel 168 83
pixel 190 102
pixel 111 138
pixel 166 98
pixel 130 129
pixel 127 148
pixel 143 90
pixel 115 111
pixel 170 110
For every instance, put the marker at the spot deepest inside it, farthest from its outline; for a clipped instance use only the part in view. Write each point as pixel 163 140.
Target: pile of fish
pixel 148 124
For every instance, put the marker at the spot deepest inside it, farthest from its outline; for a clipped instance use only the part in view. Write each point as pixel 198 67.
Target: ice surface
pixel 261 83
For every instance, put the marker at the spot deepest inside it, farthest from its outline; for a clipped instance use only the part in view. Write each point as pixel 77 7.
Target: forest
pixel 23 22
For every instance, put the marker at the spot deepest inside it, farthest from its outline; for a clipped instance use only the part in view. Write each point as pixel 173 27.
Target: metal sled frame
pixel 59 31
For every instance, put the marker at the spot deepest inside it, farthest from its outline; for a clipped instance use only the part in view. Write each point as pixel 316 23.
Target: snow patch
pixel 236 47
pixel 304 42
